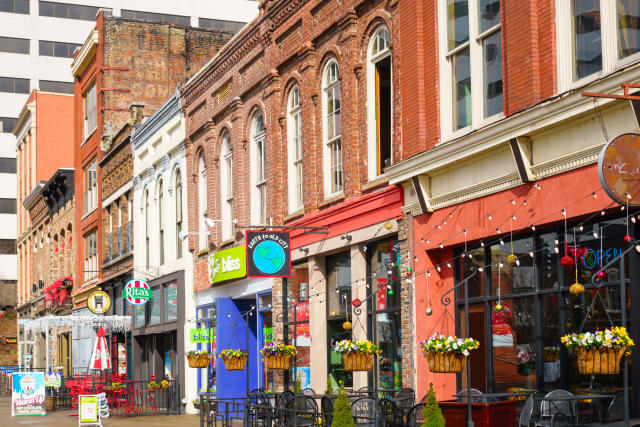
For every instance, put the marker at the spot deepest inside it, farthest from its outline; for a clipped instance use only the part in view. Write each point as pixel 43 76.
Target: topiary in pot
pixel 342 410
pixel 329 389
pixel 431 410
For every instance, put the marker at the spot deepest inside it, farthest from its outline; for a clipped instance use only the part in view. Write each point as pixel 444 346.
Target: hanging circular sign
pixel 98 302
pixel 137 292
pixel 619 169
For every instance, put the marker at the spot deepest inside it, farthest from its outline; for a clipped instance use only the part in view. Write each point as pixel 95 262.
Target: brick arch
pixel 256 107
pixel 379 18
pixel 294 80
pixel 327 53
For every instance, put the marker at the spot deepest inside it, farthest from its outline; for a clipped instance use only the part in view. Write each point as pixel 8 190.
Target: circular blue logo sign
pixel 269 257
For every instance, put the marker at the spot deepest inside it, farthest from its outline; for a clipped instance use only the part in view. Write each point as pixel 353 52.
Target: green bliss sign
pixel 201 336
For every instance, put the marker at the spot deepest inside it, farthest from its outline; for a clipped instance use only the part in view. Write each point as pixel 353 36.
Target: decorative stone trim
pixel 489 187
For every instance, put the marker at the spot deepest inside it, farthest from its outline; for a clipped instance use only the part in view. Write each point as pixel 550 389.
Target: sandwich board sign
pixel 88 410
pixel 27 394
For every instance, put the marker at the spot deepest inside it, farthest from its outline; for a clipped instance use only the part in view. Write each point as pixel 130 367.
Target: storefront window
pixel 297 321
pixel 140 314
pixel 517 277
pixel 383 261
pixel 548 259
pixel 473 259
pixel 206 317
pixel 266 314
pixel 154 306
pixel 338 271
pixel 171 301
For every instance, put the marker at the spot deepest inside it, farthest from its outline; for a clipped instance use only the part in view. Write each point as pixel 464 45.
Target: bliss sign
pixel 137 292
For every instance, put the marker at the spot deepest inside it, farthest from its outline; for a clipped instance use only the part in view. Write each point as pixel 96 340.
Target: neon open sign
pixel 593 258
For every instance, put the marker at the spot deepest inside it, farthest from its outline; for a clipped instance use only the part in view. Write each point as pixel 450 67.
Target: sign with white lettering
pixel 137 292
pixel 201 335
pixel 619 169
pixel 268 254
pixel 227 264
pixel 27 397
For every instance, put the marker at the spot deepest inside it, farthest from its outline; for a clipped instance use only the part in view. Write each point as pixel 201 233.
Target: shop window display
pixel 297 321
pixel 338 271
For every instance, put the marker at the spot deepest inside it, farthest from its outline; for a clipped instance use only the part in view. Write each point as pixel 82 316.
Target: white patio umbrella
pixel 100 358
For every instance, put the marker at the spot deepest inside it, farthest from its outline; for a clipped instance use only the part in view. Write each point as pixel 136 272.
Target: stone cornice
pixel 86 54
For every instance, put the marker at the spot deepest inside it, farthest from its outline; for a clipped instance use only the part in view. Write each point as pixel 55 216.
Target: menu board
pixel 27 394
pixel 88 409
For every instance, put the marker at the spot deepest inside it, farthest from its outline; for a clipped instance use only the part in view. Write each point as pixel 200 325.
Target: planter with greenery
pixel 198 358
pixel 278 356
pixel 599 352
pixel 431 410
pixel 447 354
pixel 342 410
pixel 234 360
pixel 357 355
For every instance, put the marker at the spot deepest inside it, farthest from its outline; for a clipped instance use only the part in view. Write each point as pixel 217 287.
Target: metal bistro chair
pixel 260 407
pixel 326 405
pixel 405 399
pixel 462 396
pixel 390 413
pixel 364 411
pixel 527 412
pixel 558 412
pixel 415 417
pixel 308 391
pixel 301 410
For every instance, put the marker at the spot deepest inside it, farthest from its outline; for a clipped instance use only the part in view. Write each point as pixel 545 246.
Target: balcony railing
pixel 119 251
pixel 108 255
pixel 129 246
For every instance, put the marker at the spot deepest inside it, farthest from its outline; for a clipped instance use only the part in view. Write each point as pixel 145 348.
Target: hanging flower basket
pixel 278 356
pixel 158 385
pixel 447 354
pixel 198 359
pixel 599 352
pixel 357 355
pixel 234 360
pixel 551 354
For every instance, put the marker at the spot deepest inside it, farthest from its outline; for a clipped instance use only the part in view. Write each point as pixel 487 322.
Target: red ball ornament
pixel 567 261
pixel 627 238
pixel 356 302
pixel 600 275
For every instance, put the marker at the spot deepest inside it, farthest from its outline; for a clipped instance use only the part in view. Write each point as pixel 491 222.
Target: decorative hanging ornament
pixel 347 326
pixel 600 275
pixel 356 302
pixel 627 238
pixel 409 271
pixel 512 259
pixel 498 307
pixel 429 312
pixel 567 261
pixel 576 289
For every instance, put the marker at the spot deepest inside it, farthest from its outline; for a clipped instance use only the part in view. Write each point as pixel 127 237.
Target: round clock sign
pixel 619 169
pixel 137 292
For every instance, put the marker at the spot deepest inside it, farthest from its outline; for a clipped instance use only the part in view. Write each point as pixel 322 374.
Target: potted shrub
pixel 234 360
pixel 447 354
pixel 599 352
pixel 342 416
pixel 526 362
pixel 431 410
pixel 278 356
pixel 357 355
pixel 198 358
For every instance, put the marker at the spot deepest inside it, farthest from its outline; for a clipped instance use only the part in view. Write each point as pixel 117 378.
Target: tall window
pixel 472 42
pixel 161 221
pixel 332 128
pixel 259 199
pixel 379 102
pixel 178 193
pixel 226 186
pixel 202 203
pixel 90 186
pixel 91 255
pixel 147 228
pixel 294 151
pixel 338 271
pixel 595 36
pixel 90 111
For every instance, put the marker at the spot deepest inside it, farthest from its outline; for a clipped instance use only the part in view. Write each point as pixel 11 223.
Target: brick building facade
pixel 293 124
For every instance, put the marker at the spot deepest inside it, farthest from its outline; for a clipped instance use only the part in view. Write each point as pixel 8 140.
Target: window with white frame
pixel 178 205
pixel 91 255
pixel 90 192
pixel 202 203
pixel 331 128
pixel 595 37
pixel 90 103
pixel 147 230
pixel 259 164
pixel 294 150
pixel 379 102
pixel 161 215
pixel 226 186
pixel 471 65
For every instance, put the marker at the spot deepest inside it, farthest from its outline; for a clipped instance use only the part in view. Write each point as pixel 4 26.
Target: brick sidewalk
pixel 62 418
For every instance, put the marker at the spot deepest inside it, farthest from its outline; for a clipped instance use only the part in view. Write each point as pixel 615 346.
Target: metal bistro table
pixel 571 400
pixel 497 396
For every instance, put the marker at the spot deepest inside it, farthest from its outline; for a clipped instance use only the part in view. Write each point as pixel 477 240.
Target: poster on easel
pixel 27 394
pixel 88 410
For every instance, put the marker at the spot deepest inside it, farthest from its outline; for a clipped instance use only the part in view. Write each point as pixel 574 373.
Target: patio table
pixel 496 396
pixel 571 399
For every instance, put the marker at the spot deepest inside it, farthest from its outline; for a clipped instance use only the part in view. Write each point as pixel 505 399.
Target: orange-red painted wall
pixel 54 119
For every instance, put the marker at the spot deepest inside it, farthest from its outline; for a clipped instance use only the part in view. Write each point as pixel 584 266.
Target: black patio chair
pixel 462 396
pixel 326 405
pixel 415 417
pixel 527 412
pixel 405 399
pixel 260 410
pixel 556 412
pixel 308 391
pixel 390 414
pixel 363 410
pixel 366 391
pixel 300 410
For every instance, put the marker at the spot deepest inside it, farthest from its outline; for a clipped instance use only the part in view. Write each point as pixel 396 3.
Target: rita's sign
pixel 137 292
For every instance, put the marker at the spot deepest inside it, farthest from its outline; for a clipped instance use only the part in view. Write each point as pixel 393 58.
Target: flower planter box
pixel 550 356
pixel 450 362
pixel 495 414
pixel 235 363
pixel 278 361
pixel 198 360
pixel 357 361
pixel 605 361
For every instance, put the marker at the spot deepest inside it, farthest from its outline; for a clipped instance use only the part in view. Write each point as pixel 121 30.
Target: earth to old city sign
pixel 619 169
pixel 268 254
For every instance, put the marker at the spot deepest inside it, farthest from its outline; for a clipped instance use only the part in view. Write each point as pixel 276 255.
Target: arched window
pixel 226 187
pixel 178 195
pixel 202 203
pixel 259 176
pixel 294 151
pixel 332 132
pixel 379 102
pixel 147 227
pixel 161 221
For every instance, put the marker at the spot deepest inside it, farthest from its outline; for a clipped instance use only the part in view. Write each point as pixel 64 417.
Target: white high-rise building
pixel 37 41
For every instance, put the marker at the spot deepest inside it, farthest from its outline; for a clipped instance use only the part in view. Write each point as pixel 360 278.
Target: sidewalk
pixel 62 418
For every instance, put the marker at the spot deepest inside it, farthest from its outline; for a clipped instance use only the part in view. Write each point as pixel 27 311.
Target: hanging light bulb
pixel 444 222
pixel 602 212
pixel 439 226
pixel 500 264
pixel 428 241
pixel 621 208
pixel 581 228
pixel 428 273
pixel 498 230
pixel 638 248
pixel 441 246
pixel 513 202
pixel 480 269
pixel 531 254
pixel 556 241
pixel 415 259
pixel 533 227
pixel 490 217
pixel 438 268
pixel 524 202
pixel 450 215
pixel 482 244
pixel 513 217
pixel 564 212
pixel 633 219
pixel 595 196
pixel 422 240
pixel 556 250
pixel 448 264
pixel 470 255
pixel 518 262
pixel 595 235
pixel 628 196
pixel 537 186
pixel 501 242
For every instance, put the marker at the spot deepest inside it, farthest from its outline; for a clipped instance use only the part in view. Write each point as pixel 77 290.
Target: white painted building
pixel 162 256
pixel 37 41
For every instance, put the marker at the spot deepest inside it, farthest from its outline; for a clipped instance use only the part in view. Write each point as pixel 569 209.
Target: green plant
pixel 431 410
pixel 329 389
pixel 298 385
pixel 342 410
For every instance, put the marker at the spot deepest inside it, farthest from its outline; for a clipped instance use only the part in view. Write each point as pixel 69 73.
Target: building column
pixel 318 323
pixel 359 290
